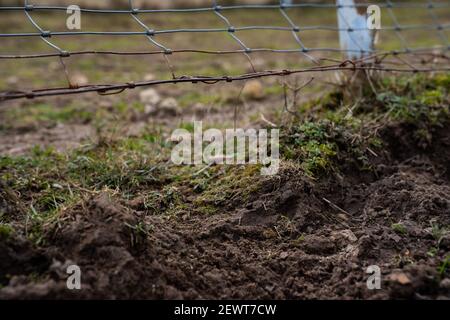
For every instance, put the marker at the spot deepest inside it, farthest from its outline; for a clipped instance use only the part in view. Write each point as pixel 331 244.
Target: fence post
pixel 356 40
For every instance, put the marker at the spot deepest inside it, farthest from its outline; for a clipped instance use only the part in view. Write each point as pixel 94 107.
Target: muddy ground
pixel 305 233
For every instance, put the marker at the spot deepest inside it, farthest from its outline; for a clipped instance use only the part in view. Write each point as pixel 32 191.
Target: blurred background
pixel 317 25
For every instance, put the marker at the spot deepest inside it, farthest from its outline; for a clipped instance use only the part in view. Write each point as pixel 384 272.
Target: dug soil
pixel 297 238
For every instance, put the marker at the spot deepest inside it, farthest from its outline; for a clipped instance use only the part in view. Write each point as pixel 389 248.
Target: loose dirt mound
pixel 296 238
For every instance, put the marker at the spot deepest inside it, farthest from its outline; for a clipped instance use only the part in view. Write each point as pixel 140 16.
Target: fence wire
pixel 405 57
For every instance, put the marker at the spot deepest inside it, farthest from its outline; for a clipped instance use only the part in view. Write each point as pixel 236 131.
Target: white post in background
pixel 355 36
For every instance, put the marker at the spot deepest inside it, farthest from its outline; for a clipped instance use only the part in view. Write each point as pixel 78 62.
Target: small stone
pixel 259 63
pixel 269 288
pixel 150 97
pixel 445 284
pixel 346 234
pixel 284 255
pixel 78 79
pixel 400 277
pixel 199 108
pixel 105 104
pixel 54 66
pixel 253 90
pixel 149 77
pixel 150 109
pixel 169 106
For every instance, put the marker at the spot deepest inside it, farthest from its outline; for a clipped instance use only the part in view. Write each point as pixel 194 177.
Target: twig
pixel 335 206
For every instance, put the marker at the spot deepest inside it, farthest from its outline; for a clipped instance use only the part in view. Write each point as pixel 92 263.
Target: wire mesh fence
pixel 319 37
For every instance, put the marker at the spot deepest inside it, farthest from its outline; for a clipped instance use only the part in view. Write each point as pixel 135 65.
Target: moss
pixel 311 145
pixel 431 97
pixel 237 183
pixel 442 80
pixel 5 231
pixel 418 100
pixel 317 156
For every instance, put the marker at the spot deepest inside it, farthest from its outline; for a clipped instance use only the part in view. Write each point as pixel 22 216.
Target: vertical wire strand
pixel 295 31
pixel 231 32
pixel 44 34
pixel 150 35
pixel 439 30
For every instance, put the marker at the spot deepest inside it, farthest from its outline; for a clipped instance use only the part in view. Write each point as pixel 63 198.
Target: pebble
pixel 169 106
pixel 150 97
pixel 253 90
pixel 78 79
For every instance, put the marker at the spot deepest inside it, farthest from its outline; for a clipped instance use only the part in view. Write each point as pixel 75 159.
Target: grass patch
pixel 47 114
pixel 445 264
pixel 219 189
pixel 399 228
pixel 193 97
pixel 311 145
